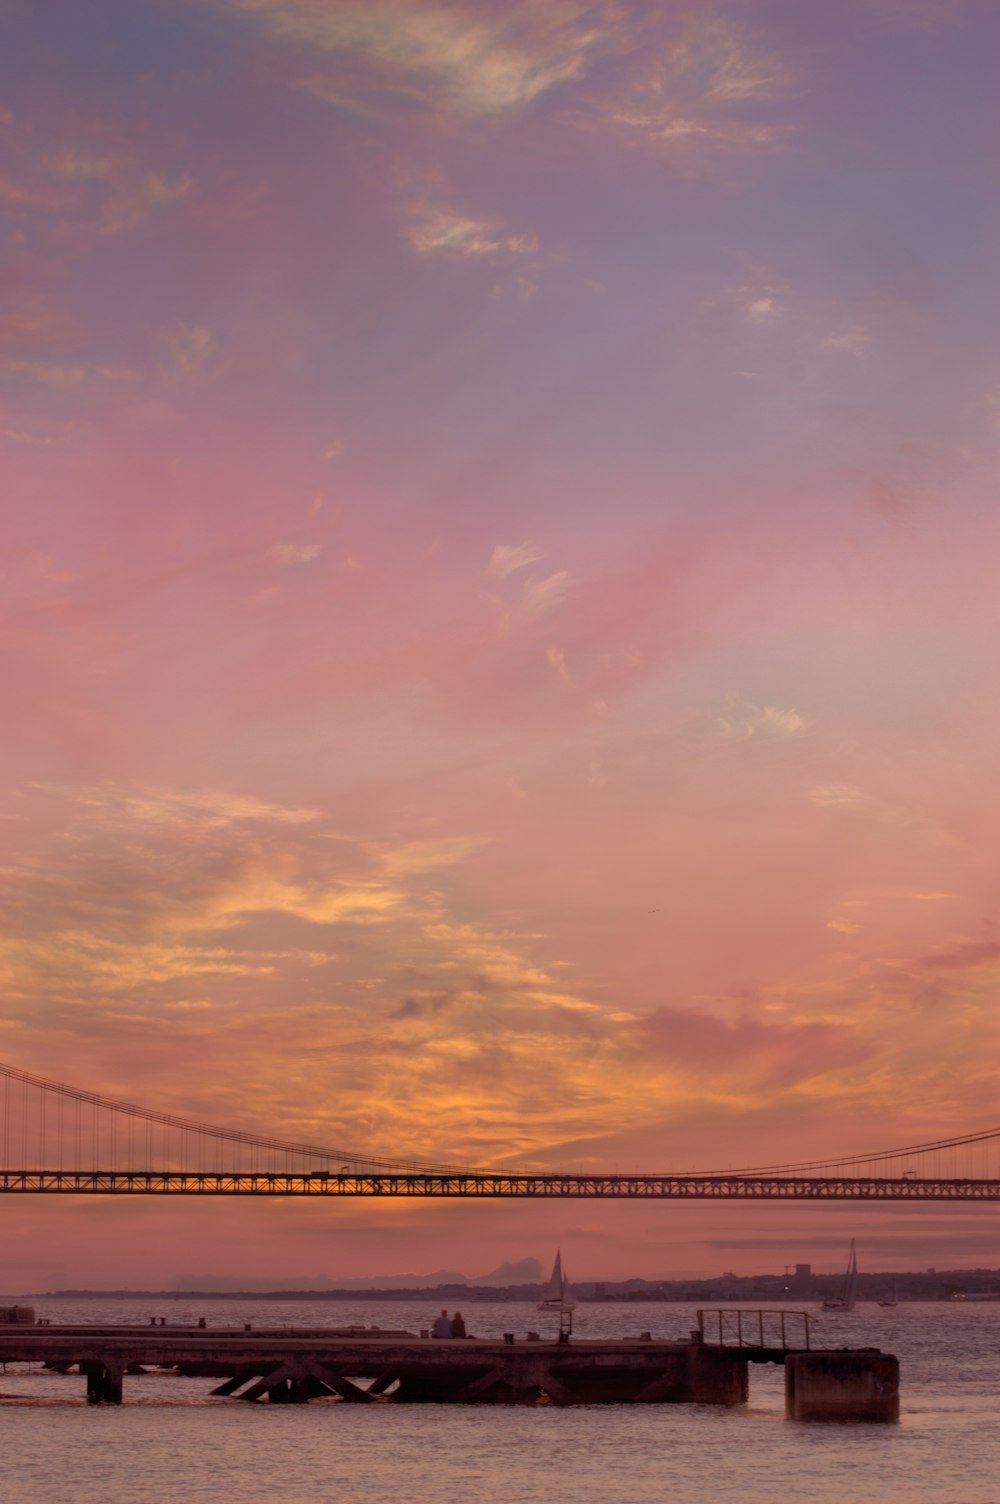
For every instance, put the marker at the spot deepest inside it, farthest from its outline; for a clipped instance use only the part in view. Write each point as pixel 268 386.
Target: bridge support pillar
pixel 104 1381
pixel 716 1377
pixel 858 1385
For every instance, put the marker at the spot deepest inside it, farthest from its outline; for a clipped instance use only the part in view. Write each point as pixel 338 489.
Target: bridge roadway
pixel 294 1365
pixel 486 1186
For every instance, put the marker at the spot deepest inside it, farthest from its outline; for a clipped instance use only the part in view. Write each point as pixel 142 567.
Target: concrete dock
pixel 292 1366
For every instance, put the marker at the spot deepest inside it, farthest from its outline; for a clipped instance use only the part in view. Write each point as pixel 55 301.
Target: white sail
pixel 557 1294
pixel 851 1286
pixel 849 1290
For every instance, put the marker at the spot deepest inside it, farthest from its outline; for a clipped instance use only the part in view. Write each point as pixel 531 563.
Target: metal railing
pixel 770 1330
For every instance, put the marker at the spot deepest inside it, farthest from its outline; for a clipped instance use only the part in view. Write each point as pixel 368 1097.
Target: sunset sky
pixel 500 615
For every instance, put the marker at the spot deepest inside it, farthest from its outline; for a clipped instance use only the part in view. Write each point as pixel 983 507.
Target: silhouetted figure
pixel 442 1326
pixel 457 1325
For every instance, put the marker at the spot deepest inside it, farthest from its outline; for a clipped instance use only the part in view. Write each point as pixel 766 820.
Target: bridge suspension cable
pixel 987 1138
pixel 56 1138
pixel 41 1118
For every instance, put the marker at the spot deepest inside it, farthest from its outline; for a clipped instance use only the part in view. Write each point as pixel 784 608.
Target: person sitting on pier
pixel 457 1325
pixel 442 1326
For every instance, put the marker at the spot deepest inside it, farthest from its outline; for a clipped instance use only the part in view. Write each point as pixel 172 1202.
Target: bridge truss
pixel 484 1186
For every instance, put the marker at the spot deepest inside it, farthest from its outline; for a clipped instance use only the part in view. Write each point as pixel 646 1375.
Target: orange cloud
pixel 471 59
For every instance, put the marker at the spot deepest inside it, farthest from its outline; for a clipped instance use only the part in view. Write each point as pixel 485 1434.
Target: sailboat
pixel 890 1299
pixel 557 1295
pixel 849 1289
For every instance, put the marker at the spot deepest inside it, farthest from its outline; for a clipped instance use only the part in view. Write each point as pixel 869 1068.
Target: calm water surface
pixel 171 1442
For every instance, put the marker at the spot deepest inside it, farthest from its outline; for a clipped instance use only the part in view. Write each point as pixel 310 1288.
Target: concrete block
pixel 862 1384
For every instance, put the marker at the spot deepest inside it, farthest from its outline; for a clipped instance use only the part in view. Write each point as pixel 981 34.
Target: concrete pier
pixel 293 1366
pixel 847 1385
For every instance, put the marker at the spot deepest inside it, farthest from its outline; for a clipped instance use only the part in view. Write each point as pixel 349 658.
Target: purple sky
pixel 499 622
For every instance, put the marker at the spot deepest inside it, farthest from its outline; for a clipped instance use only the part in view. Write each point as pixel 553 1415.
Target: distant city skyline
pixel 498 629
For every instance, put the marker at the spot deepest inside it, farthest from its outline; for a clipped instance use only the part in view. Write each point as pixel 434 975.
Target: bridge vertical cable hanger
pixel 60 1140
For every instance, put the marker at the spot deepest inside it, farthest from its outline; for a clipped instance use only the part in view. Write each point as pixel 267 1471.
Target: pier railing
pixel 770 1330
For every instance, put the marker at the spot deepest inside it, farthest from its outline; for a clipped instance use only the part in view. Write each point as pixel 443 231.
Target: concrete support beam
pixel 337 1384
pixel 270 1383
pixel 230 1386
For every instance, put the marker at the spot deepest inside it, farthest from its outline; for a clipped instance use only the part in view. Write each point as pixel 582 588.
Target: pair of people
pixel 445 1326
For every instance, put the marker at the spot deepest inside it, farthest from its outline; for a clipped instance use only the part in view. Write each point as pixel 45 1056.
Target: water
pixel 171 1442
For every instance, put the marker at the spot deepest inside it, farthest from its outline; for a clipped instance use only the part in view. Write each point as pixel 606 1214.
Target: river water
pixel 171 1442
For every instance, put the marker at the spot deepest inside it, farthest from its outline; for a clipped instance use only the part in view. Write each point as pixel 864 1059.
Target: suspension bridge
pixel 59 1140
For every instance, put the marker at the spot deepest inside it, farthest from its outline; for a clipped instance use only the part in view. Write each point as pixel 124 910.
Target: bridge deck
pixel 486 1186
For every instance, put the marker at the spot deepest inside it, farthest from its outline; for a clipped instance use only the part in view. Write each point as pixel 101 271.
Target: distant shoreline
pixel 469 1293
pixel 803 1288
pixel 473 1295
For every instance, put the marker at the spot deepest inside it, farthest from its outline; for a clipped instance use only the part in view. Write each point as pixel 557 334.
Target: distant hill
pixel 523 1272
pixel 518 1272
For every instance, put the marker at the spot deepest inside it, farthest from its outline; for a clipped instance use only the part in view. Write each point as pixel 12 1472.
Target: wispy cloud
pixel 292 554
pixel 746 722
pixel 131 203
pixel 664 127
pixel 213 808
pixel 61 375
pixel 721 63
pixel 473 59
pixel 36 435
pixel 435 230
pixel 78 162
pixel 695 89
pixel 411 857
pixel 759 303
pixel 188 347
pixel 506 558
pixel 844 926
pixel 850 800
pixel 853 341
pixel 680 81
pixel 103 183
pixel 541 596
